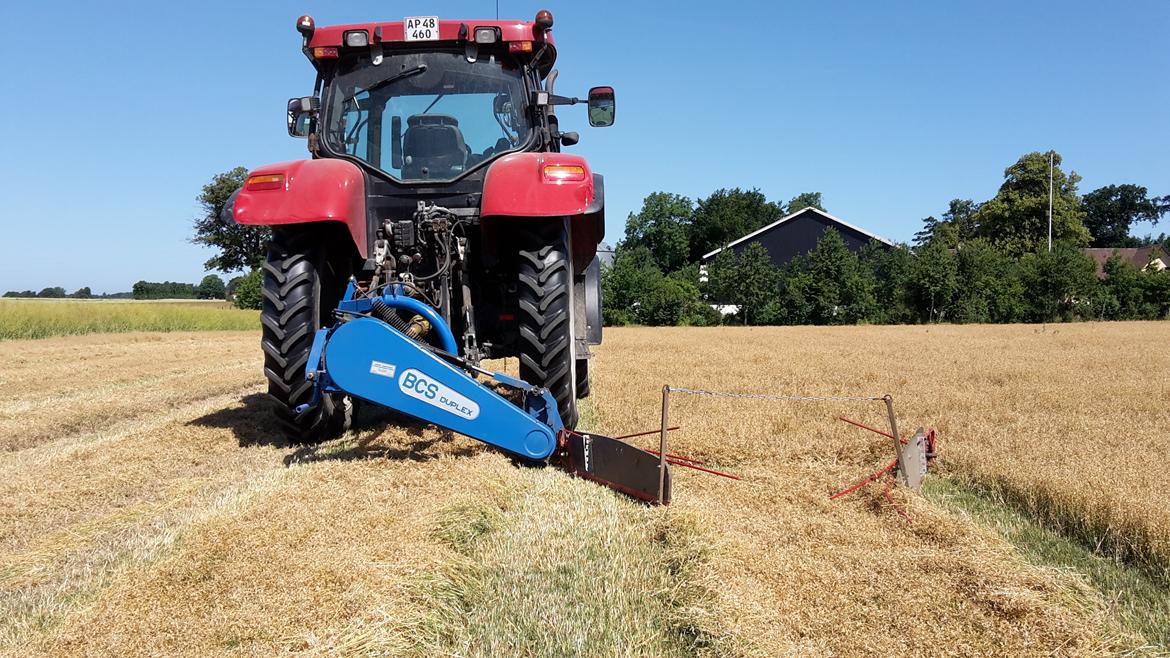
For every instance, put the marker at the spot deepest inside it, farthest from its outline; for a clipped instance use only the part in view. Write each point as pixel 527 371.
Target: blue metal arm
pixel 369 359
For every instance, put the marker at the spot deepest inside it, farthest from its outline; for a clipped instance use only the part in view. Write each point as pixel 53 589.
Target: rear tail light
pixel 325 52
pixel 563 173
pixel 519 46
pixel 264 182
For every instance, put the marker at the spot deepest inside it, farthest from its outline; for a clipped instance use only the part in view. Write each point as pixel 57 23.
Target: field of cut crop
pixel 149 509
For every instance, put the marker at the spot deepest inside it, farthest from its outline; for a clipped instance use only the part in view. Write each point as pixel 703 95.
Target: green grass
pixel 1138 599
pixel 47 318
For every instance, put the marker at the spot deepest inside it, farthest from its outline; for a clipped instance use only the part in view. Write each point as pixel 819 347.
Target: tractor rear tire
pixel 303 282
pixel 545 313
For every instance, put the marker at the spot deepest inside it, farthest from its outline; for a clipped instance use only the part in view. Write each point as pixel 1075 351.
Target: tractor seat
pixel 433 147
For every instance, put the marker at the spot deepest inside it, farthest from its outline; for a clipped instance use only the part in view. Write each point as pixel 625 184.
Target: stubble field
pixel 148 508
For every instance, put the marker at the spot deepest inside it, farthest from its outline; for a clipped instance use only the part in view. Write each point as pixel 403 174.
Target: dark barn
pixel 797 234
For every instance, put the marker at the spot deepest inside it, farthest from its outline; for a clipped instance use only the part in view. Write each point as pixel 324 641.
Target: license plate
pixel 421 28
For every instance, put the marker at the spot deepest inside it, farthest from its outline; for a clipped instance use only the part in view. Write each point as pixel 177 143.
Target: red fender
pixel 326 190
pixel 516 186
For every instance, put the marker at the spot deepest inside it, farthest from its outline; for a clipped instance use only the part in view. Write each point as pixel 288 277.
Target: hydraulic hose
pixel 391 301
pixel 416 328
pixel 383 312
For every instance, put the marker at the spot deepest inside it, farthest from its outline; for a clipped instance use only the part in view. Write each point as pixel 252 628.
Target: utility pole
pixel 1051 156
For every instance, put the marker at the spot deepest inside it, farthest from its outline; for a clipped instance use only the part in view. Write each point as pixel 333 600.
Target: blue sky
pixel 117 113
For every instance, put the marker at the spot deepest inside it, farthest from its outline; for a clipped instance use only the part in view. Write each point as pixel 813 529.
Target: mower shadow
pixel 252 425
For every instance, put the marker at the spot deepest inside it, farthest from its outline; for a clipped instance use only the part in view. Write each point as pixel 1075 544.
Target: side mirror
pixel 601 107
pixel 300 115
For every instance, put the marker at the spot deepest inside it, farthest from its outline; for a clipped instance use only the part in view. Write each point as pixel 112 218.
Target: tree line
pixel 978 262
pixel 211 287
pixel 57 292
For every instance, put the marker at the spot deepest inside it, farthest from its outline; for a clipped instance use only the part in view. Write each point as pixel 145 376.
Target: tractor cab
pixel 429 101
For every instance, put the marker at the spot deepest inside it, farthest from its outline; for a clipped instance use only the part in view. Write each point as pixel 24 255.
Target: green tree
pixel 240 247
pixel 793 304
pixel 839 289
pixel 748 280
pixel 230 288
pixel 164 290
pixel 1017 218
pixel 727 215
pixel 1110 211
pixel 956 226
pixel 890 271
pixel 55 292
pixel 1121 294
pixel 723 277
pixel 661 227
pixel 626 284
pixel 1058 286
pixel 961 214
pixel 933 281
pixel 82 293
pixel 212 287
pixel 936 230
pixel 990 289
pixel 805 200
pixel 1162 242
pixel 249 292
pixel 672 301
pixel 1157 293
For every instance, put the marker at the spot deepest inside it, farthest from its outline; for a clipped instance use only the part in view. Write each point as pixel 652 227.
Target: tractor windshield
pixel 426 115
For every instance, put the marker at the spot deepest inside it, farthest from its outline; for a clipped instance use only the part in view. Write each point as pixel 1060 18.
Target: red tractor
pixel 436 173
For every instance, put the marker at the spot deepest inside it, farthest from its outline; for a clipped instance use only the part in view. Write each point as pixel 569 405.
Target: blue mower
pixel 373 354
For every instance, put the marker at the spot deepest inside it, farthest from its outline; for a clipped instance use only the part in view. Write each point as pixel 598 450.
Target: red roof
pixel 1138 256
pixel 394 32
pixel 331 35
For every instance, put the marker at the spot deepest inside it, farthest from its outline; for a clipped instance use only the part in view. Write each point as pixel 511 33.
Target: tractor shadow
pixel 379 435
pixel 251 422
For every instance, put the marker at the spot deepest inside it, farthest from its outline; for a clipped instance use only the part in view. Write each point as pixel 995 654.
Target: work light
pixel 486 35
pixel 357 39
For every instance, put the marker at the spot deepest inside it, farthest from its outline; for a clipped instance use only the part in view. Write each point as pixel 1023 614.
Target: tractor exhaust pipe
pixel 549 83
